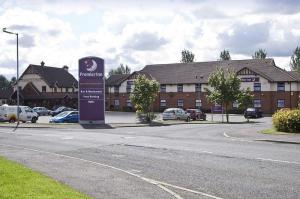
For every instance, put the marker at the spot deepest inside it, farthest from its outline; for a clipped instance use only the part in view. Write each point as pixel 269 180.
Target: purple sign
pixel 91 90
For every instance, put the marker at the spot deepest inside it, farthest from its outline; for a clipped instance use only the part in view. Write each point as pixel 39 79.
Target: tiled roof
pixel 116 80
pixel 53 76
pixel 295 74
pixel 198 72
pixel 5 93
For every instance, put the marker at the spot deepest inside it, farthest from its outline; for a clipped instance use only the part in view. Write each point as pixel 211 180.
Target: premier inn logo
pixel 90 65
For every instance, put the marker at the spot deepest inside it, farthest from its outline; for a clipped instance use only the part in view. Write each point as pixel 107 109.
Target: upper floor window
pixel 198 87
pixel 257 86
pixel 44 88
pixel 128 86
pixel 116 89
pixel 163 88
pixel 179 88
pixel 280 86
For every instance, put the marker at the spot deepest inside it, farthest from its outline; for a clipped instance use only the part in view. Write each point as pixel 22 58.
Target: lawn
pixel 17 181
pixel 273 131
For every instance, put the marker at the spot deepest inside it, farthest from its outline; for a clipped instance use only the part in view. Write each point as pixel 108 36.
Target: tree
pixel 226 88
pixel 143 95
pixel 295 60
pixel 225 55
pixel 120 70
pixel 13 80
pixel 245 99
pixel 187 56
pixel 260 54
pixel 4 83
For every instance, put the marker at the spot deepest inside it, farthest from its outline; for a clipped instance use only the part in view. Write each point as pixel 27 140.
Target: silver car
pixel 176 114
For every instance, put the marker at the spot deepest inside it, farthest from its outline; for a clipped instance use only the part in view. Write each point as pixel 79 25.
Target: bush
pixel 287 120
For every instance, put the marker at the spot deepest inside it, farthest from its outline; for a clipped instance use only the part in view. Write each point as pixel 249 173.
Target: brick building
pixel 183 85
pixel 42 85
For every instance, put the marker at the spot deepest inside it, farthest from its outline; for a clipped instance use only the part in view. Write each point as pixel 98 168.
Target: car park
pixel 176 114
pixel 66 117
pixel 60 109
pixel 196 114
pixel 10 114
pixel 41 110
pixel 252 113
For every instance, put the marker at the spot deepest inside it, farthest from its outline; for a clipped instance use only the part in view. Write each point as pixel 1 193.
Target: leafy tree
pixel 13 80
pixel 225 55
pixel 4 83
pixel 295 60
pixel 187 56
pixel 260 54
pixel 120 70
pixel 143 95
pixel 226 88
pixel 245 99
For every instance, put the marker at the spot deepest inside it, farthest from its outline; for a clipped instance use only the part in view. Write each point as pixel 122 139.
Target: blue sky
pixel 137 33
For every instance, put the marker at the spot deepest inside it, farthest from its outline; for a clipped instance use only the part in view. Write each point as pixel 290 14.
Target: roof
pixel 5 93
pixel 116 80
pixel 295 74
pixel 52 75
pixel 199 72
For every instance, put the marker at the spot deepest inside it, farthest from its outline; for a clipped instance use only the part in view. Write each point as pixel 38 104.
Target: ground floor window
pixel 128 103
pixel 257 103
pixel 117 102
pixel 280 103
pixel 163 103
pixel 235 105
pixel 180 103
pixel 198 103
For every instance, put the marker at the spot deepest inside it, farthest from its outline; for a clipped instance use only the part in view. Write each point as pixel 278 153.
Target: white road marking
pixel 160 184
pixel 68 138
pixel 281 161
pixel 235 138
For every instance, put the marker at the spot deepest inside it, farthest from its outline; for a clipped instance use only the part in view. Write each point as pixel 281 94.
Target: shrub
pixel 287 120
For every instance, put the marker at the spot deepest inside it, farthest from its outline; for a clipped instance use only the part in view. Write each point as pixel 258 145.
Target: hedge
pixel 287 120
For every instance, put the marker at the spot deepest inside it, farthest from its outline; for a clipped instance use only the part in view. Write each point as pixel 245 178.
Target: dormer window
pixel 44 88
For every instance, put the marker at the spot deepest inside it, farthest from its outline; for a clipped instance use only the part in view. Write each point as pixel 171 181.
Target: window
pixel 280 86
pixel 163 103
pixel 43 88
pixel 257 103
pixel 180 103
pixel 67 90
pixel 179 88
pixel 198 87
pixel 163 88
pixel 116 89
pixel 128 87
pixel 128 103
pixel 117 102
pixel 55 89
pixel 198 103
pixel 280 103
pixel 235 105
pixel 257 87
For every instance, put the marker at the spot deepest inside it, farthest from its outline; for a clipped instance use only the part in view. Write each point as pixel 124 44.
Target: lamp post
pixel 18 101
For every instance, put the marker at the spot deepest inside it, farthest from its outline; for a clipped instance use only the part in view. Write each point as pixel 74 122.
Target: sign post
pixel 91 91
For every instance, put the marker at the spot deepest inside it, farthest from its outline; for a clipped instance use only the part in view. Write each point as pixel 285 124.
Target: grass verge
pixel 20 182
pixel 273 131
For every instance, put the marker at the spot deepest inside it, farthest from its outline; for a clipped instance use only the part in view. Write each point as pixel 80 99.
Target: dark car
pixel 60 109
pixel 196 114
pixel 252 113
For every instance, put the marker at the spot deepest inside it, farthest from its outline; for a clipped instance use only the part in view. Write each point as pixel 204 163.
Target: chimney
pixel 66 68
pixel 42 63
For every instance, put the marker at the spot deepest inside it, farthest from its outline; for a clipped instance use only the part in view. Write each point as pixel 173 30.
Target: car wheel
pixel 12 120
pixel 33 120
pixel 178 118
pixel 188 119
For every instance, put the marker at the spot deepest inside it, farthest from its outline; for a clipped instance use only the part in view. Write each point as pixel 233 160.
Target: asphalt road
pixel 180 161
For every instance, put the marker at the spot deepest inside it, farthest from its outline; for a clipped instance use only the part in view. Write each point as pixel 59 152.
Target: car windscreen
pixel 250 109
pixel 169 111
pixel 63 114
pixel 60 108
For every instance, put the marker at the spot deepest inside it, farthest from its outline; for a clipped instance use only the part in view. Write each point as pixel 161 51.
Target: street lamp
pixel 18 102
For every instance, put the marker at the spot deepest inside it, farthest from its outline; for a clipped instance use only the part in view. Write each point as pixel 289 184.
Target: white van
pixel 9 114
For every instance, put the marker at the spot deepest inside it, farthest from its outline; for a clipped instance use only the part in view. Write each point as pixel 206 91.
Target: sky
pixel 141 32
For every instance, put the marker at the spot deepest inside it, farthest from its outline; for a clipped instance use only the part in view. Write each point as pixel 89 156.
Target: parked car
pixel 176 114
pixel 60 109
pixel 41 110
pixel 66 116
pixel 196 114
pixel 252 113
pixel 9 114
